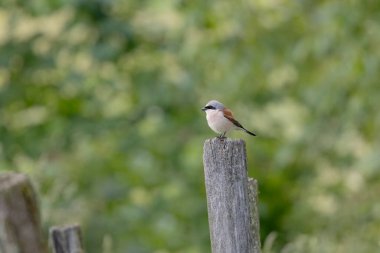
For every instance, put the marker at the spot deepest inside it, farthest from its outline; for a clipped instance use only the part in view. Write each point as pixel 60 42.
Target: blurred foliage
pixel 99 104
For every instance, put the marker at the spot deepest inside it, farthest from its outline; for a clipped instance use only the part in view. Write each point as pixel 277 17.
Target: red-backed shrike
pixel 220 119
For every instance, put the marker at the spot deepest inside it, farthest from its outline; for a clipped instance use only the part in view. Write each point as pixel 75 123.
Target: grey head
pixel 213 105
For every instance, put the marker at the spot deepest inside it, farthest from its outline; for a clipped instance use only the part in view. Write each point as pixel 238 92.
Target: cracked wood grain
pixel 231 198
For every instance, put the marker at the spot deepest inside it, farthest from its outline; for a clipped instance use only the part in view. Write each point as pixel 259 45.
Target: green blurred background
pixel 100 105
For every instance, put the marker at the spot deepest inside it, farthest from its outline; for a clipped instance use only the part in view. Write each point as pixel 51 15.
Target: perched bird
pixel 220 119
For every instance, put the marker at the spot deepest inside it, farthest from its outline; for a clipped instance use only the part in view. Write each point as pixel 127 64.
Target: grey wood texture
pixel 255 219
pixel 20 229
pixel 228 198
pixel 66 239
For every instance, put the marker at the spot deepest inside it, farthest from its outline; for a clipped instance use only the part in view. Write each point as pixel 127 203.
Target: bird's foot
pixel 222 137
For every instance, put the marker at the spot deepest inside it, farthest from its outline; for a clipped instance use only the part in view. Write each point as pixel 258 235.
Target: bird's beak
pixel 204 109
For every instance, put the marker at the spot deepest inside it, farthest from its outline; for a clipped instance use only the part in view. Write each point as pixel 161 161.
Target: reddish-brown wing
pixel 228 115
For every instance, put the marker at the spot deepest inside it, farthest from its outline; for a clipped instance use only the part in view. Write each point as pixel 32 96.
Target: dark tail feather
pixel 248 132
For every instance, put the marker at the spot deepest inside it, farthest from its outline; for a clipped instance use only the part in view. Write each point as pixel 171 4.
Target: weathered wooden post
pixel 20 229
pixel 66 239
pixel 231 198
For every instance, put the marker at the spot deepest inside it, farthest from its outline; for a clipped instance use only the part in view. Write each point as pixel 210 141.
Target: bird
pixel 221 120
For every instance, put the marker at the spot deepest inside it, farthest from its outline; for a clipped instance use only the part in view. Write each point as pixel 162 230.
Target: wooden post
pixel 230 201
pixel 66 239
pixel 20 229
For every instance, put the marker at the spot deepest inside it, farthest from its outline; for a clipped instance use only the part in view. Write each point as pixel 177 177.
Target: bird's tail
pixel 248 132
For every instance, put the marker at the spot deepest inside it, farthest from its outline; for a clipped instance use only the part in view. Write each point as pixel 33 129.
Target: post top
pixel 222 149
pixel 225 143
pixel 11 179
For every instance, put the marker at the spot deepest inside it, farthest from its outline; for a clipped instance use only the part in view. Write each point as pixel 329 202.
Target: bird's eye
pixel 210 107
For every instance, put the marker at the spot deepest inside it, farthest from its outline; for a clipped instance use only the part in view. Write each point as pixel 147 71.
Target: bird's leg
pixel 222 136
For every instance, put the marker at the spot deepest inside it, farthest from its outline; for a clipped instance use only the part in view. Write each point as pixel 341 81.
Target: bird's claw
pixel 222 137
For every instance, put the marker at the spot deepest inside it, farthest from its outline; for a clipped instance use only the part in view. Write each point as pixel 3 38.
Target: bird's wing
pixel 228 115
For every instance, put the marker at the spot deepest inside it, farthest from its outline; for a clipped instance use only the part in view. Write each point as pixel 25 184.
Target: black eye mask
pixel 209 107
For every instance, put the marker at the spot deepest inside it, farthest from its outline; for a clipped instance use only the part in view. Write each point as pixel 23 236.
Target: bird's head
pixel 213 105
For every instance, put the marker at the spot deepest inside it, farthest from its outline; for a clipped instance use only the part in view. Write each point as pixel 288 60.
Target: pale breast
pixel 218 122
